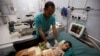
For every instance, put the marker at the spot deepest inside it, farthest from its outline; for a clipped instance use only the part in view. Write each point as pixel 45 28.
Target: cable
pixel 96 46
pixel 94 38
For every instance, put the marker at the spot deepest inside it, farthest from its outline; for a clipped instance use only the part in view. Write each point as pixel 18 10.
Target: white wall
pixel 24 7
pixel 78 4
pixel 5 7
pixel 93 24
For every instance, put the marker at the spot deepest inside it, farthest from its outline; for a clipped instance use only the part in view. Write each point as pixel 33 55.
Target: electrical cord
pixel 96 46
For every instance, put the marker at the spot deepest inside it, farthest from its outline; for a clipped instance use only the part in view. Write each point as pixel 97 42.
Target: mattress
pixel 78 48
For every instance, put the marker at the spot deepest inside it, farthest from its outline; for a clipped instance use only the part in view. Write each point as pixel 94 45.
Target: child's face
pixel 65 46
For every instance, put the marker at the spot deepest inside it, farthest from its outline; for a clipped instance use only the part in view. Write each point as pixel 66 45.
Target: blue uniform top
pixel 40 21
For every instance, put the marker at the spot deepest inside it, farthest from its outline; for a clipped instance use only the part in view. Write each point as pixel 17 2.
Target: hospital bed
pixel 78 47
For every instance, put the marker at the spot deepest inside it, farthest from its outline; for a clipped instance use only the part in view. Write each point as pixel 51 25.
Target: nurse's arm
pixel 42 35
pixel 54 32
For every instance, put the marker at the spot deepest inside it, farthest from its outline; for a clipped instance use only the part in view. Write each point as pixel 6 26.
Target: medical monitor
pixel 76 29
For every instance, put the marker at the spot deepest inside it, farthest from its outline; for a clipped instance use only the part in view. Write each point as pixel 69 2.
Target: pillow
pixel 69 52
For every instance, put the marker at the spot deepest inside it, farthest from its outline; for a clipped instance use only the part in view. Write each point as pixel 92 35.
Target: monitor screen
pixel 76 29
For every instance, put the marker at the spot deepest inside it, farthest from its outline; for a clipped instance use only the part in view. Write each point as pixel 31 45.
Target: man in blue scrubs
pixel 43 22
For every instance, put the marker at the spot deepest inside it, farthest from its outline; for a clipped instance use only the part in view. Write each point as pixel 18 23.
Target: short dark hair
pixel 70 44
pixel 49 3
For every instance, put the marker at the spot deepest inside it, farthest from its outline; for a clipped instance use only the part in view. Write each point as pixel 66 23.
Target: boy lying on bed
pixel 57 50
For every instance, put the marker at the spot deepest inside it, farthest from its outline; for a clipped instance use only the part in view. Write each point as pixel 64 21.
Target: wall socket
pixel 78 16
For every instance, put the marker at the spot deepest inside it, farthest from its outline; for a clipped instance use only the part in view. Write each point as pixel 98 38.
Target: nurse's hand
pixel 48 45
pixel 56 43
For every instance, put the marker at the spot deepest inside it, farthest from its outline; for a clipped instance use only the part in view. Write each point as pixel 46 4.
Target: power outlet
pixel 74 16
pixel 84 17
pixel 78 16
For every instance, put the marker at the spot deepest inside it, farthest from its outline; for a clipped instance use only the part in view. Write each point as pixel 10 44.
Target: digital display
pixel 76 29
